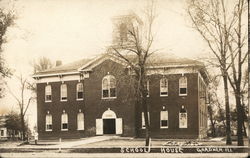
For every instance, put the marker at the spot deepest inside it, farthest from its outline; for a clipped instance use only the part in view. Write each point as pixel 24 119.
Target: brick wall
pixel 124 105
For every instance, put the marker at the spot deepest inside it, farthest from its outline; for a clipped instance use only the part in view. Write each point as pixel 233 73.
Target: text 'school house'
pixel 96 97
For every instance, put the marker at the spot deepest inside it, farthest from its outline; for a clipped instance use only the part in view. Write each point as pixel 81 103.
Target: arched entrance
pixel 109 123
pixel 108 118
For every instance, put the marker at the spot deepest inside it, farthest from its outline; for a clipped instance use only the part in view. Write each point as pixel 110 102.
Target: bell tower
pixel 123 25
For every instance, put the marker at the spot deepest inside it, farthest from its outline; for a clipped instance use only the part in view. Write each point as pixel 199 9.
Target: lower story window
pixel 48 122
pixel 183 120
pixel 164 119
pixel 64 121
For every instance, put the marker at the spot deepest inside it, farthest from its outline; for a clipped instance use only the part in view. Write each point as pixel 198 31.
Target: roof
pixel 156 60
pixel 70 67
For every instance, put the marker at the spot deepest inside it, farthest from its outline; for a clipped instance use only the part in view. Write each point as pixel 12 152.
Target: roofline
pixel 56 74
pixel 88 70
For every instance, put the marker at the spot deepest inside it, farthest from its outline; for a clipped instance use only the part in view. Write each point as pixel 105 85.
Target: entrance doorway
pixel 109 126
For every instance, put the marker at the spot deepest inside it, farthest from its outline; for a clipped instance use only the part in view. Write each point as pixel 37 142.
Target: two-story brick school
pixel 96 97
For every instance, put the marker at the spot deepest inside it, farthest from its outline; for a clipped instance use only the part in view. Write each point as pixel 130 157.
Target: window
pixel 183 86
pixel 164 87
pixel 143 120
pixel 63 92
pixel 80 121
pixel 2 132
pixel 64 122
pixel 79 91
pixel 48 94
pixel 164 119
pixel 183 118
pixel 48 122
pixel 109 87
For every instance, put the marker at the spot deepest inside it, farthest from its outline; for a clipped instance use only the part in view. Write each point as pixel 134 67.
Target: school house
pixel 95 96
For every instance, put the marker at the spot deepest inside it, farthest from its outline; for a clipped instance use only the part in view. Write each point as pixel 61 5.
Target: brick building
pixel 96 96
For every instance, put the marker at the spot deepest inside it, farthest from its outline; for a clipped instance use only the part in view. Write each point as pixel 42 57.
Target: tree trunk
pixel 228 126
pixel 239 119
pixel 210 112
pixel 146 118
pixel 244 129
pixel 23 127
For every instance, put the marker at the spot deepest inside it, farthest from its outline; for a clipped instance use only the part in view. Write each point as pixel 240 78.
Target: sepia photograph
pixel 124 78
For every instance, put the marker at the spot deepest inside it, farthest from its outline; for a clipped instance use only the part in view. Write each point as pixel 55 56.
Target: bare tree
pixel 41 64
pixel 214 24
pixel 135 51
pixel 23 101
pixel 238 52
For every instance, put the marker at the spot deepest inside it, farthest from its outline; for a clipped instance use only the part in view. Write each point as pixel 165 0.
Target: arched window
pixel 63 92
pixel 109 87
pixel 48 93
pixel 79 91
pixel 48 120
pixel 64 122
pixel 183 85
pixel 80 121
pixel 164 87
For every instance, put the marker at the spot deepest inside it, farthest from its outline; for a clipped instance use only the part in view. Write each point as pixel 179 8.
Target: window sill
pixel 163 95
pixel 109 98
pixel 164 127
pixel 63 100
pixel 48 130
pixel 182 95
pixel 79 99
pixel 64 129
pixel 80 129
pixel 48 101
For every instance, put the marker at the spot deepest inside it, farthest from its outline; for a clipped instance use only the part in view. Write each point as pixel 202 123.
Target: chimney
pixel 58 62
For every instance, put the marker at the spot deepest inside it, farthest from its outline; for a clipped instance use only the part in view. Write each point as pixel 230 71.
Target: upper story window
pixel 164 119
pixel 183 86
pixel 64 126
pixel 80 121
pixel 79 91
pixel 63 92
pixel 48 120
pixel 183 118
pixel 48 93
pixel 109 87
pixel 164 87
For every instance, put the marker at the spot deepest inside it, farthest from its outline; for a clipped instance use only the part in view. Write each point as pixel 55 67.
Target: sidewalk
pixel 64 144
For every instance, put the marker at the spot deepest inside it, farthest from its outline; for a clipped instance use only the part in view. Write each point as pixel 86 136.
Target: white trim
pixel 56 74
pixel 48 101
pixel 102 58
pixel 48 130
pixel 64 129
pixel 58 79
pixel 109 98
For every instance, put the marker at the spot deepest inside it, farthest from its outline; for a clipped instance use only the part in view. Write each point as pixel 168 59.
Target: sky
pixel 71 30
